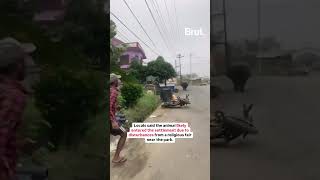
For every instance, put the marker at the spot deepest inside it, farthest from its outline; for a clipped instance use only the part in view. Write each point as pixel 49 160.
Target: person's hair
pixel 114 82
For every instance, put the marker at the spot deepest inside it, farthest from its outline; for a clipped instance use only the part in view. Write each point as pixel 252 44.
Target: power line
pixel 161 23
pixel 166 30
pixel 123 36
pixel 139 23
pixel 157 25
pixel 133 33
pixel 170 22
pixel 176 16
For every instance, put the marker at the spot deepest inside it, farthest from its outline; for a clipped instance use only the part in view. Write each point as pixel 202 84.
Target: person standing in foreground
pixel 12 101
pixel 115 130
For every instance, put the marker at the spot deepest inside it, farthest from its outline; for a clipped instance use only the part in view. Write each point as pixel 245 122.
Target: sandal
pixel 122 160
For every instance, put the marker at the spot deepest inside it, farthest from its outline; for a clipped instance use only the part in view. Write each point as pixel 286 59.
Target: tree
pixel 138 71
pixel 161 69
pixel 85 28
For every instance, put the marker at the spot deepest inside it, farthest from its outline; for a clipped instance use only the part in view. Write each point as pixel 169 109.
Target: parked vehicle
pixel 230 128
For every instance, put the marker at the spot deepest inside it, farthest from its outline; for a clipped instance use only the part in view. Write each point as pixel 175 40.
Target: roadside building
pixel 133 52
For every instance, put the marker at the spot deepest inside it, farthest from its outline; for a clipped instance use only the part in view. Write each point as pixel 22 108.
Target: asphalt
pixel 287 113
pixel 186 159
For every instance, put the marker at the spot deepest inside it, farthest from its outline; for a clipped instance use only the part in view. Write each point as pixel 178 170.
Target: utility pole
pixel 259 35
pixel 225 35
pixel 179 57
pixel 214 41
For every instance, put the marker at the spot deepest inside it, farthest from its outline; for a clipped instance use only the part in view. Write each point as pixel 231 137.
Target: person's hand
pixel 114 125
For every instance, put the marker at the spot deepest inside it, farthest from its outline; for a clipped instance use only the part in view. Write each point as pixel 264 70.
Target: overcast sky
pixel 294 22
pixel 193 14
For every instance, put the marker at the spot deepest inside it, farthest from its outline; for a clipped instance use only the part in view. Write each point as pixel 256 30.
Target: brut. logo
pixel 193 32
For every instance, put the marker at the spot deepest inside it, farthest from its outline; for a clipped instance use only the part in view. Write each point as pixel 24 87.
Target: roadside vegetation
pixel 144 107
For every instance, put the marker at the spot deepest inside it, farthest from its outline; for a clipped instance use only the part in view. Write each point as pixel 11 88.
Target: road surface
pixel 187 159
pixel 287 113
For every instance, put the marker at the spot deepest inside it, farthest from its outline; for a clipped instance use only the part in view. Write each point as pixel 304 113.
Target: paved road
pixel 287 113
pixel 187 159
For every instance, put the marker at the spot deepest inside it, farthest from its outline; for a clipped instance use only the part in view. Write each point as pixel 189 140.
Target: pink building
pixel 134 52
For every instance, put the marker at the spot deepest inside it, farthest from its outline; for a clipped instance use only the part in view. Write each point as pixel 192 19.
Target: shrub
pixel 66 100
pixel 121 101
pixel 131 93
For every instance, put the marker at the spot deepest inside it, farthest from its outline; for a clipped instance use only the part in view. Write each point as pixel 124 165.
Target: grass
pixel 145 106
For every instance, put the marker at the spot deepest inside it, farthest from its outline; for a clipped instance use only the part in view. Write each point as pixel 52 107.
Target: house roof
pixel 116 42
pixel 135 47
pixel 131 46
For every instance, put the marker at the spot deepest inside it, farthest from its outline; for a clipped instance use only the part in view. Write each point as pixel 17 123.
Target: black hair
pixel 113 82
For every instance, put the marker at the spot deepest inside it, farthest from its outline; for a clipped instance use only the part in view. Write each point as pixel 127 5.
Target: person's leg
pixel 121 143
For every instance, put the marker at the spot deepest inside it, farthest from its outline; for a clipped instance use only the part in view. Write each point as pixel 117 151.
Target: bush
pixel 66 100
pixel 121 101
pixel 131 93
pixel 145 106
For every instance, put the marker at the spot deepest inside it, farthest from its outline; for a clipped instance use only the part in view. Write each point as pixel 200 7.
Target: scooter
pixel 230 128
pixel 179 103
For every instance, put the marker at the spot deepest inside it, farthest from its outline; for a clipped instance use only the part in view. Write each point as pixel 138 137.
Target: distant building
pixel 133 52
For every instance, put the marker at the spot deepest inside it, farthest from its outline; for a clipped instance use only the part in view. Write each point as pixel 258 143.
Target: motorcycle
pixel 180 102
pixel 230 128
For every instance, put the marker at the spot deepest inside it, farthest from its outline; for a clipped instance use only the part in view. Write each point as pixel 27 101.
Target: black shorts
pixel 117 132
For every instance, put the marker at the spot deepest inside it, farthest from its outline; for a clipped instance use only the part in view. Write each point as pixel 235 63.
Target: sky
pixel 293 22
pixel 172 17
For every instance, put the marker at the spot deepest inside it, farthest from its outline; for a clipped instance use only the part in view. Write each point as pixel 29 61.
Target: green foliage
pixel 34 128
pixel 121 101
pixel 66 100
pixel 131 93
pixel 48 53
pixel 85 27
pixel 112 29
pixel 145 106
pixel 138 71
pixel 161 69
